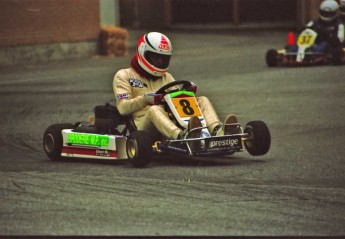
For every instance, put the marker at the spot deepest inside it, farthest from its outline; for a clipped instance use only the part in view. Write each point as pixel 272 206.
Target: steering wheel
pixel 164 89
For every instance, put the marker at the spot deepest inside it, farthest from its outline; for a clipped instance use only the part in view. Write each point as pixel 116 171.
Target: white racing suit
pixel 129 89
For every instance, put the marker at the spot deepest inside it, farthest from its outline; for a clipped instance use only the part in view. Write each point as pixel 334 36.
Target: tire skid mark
pixel 117 185
pixel 37 185
pixel 48 211
pixel 22 142
pixel 69 185
pixel 149 187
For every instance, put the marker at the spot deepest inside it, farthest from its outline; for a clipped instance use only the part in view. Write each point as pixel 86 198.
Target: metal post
pixel 235 13
pixel 167 13
pixel 136 21
pixel 109 12
pixel 301 13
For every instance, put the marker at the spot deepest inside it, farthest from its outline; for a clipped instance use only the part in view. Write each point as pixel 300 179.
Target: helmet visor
pixel 342 8
pixel 328 14
pixel 158 60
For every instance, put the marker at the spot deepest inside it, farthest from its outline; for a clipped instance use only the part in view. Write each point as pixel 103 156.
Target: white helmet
pixel 154 52
pixel 328 10
pixel 342 8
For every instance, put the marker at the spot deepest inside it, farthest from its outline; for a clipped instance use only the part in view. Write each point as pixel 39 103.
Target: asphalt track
pixel 298 188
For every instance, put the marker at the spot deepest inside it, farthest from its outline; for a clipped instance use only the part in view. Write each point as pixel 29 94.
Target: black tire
pixel 139 148
pixel 337 55
pixel 272 58
pixel 259 140
pixel 52 140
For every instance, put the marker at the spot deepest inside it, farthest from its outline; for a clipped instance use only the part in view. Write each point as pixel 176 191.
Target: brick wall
pixel 27 22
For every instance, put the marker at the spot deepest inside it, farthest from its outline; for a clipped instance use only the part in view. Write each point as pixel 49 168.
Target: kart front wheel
pixel 139 148
pixel 259 138
pixel 272 57
pixel 52 140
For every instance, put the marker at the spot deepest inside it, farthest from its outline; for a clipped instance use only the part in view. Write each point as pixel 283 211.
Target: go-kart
pixel 113 136
pixel 305 54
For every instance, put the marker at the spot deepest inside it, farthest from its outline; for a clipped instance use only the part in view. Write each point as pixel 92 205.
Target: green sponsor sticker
pixel 183 92
pixel 88 139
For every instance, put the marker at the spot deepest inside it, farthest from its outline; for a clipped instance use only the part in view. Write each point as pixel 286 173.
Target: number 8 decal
pixel 186 107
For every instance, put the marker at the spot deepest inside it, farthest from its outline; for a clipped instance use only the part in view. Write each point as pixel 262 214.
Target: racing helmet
pixel 154 52
pixel 342 8
pixel 328 10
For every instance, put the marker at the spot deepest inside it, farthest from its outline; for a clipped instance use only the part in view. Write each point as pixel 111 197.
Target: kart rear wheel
pixel 139 148
pixel 337 56
pixel 52 140
pixel 259 138
pixel 272 57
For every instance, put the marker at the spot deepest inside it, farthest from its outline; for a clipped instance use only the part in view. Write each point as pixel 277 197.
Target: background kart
pixel 305 54
pixel 114 137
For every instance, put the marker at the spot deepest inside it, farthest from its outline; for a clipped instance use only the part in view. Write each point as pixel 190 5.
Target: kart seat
pixel 107 120
pixel 84 127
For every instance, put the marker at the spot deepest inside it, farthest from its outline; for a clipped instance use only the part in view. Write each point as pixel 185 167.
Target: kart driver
pixel 329 28
pixel 135 88
pixel 342 13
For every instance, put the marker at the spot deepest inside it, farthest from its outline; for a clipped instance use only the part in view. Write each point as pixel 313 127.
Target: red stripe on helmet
pixel 164 45
pixel 142 39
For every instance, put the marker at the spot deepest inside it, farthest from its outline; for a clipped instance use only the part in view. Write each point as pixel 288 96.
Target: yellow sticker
pixel 306 39
pixel 186 107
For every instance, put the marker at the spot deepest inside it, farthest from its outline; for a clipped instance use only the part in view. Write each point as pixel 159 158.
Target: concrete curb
pixel 46 52
pixel 41 53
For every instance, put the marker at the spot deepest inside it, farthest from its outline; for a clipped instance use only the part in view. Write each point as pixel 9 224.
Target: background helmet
pixel 328 10
pixel 154 52
pixel 342 8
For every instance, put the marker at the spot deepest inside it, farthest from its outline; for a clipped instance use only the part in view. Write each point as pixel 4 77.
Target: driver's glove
pixel 153 98
pixel 193 88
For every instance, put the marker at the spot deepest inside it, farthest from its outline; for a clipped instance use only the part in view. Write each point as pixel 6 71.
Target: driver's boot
pixel 231 129
pixel 226 128
pixel 194 122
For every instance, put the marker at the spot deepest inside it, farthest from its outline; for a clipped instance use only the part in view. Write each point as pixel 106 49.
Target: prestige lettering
pixel 222 143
